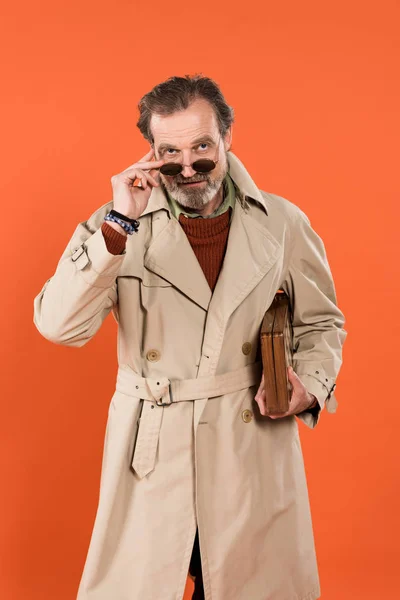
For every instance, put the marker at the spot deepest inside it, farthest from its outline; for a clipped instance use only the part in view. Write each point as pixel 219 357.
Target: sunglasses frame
pixel 192 166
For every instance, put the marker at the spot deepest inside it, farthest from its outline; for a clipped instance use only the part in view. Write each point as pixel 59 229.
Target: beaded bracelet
pixel 126 226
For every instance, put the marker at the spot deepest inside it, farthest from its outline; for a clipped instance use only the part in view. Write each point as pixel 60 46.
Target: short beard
pixel 195 199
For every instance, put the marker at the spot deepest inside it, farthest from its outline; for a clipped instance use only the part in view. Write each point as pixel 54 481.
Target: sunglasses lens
pixel 204 165
pixel 171 169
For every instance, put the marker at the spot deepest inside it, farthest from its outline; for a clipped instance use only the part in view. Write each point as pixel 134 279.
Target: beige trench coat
pixel 185 443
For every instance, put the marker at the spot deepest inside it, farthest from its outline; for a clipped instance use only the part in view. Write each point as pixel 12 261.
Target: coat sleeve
pixel 73 303
pixel 318 332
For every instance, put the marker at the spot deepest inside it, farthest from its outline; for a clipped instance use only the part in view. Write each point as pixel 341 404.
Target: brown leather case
pixel 276 341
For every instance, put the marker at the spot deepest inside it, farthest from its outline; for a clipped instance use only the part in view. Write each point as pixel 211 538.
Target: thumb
pixel 293 377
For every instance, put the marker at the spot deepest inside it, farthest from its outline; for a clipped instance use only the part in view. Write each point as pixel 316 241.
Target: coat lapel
pixel 251 252
pixel 171 256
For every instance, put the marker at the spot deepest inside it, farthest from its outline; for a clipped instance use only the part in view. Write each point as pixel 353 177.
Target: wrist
pixel 126 213
pixel 130 226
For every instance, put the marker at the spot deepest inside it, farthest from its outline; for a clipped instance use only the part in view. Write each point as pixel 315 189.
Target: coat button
pixel 246 348
pixel 247 416
pixel 153 355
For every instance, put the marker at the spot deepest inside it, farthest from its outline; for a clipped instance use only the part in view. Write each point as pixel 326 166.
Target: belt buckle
pixel 161 403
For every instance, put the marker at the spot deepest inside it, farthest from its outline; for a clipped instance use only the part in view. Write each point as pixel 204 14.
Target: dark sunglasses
pixel 202 165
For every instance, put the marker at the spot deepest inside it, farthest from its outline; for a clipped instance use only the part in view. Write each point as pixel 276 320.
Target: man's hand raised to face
pixel 300 400
pixel 129 199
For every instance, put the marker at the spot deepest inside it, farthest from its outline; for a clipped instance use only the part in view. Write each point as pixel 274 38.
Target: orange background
pixel 315 87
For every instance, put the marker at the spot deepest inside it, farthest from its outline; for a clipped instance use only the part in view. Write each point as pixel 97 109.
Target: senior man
pixel 188 256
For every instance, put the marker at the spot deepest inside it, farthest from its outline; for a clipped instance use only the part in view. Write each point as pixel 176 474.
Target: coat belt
pixel 161 392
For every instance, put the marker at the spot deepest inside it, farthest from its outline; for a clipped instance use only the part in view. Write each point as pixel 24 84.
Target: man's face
pixel 184 137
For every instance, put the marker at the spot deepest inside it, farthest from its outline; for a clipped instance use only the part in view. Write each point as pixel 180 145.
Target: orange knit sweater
pixel 208 238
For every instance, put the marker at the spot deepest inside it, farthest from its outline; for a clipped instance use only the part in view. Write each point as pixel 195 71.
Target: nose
pixel 187 171
pixel 187 159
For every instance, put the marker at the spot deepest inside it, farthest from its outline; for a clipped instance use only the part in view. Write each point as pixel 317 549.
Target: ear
pixel 228 139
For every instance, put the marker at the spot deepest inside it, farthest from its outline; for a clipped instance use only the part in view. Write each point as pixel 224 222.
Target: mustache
pixel 189 180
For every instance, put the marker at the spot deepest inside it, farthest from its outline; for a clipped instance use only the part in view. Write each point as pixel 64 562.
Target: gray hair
pixel 176 94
